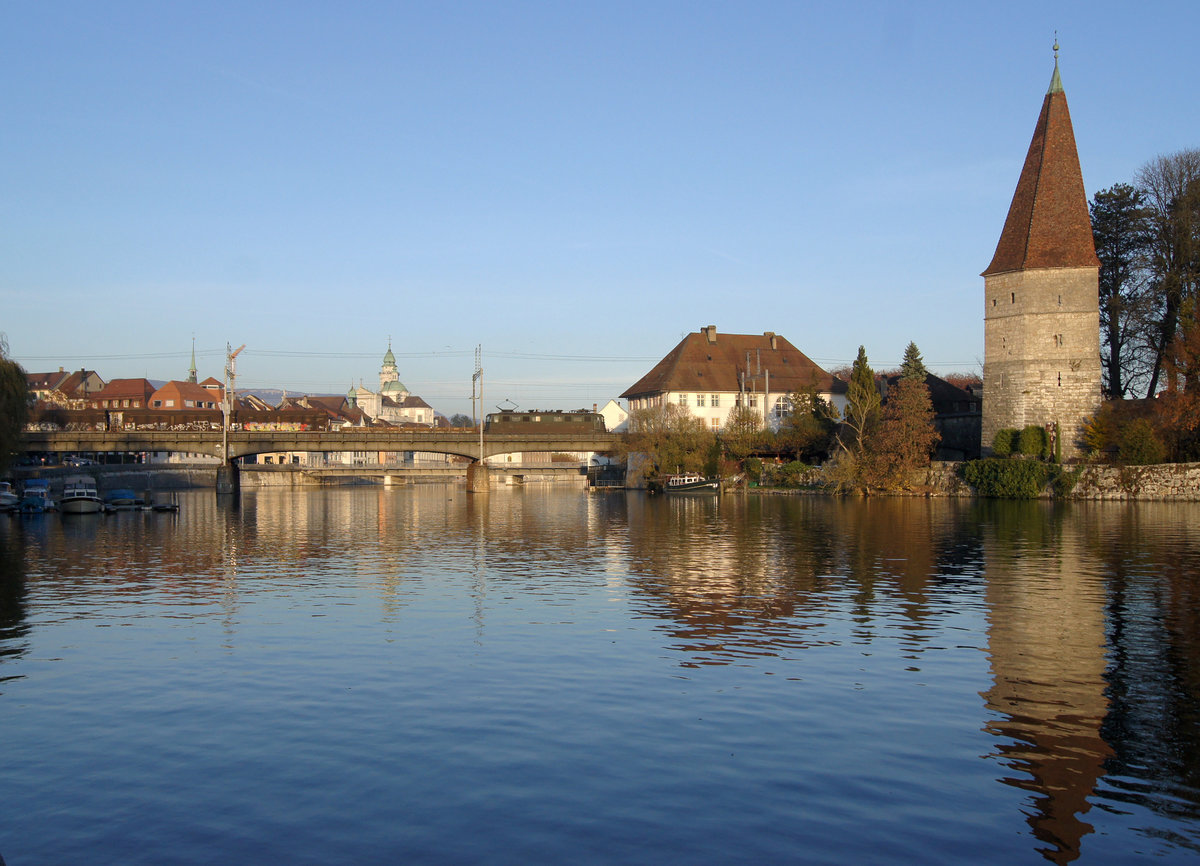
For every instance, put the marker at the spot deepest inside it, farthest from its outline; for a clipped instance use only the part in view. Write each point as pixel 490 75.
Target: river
pixel 540 675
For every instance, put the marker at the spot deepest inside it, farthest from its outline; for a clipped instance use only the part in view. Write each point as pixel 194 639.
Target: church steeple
pixel 1048 225
pixel 192 369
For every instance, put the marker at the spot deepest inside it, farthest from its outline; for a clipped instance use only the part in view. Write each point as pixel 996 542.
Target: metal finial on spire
pixel 1055 80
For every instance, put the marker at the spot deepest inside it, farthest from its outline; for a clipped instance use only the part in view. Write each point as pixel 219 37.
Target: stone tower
pixel 1041 324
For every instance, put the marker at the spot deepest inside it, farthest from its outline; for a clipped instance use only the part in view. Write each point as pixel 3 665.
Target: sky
pixel 569 187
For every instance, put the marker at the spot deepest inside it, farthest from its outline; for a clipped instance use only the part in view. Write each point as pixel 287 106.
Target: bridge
pixel 242 443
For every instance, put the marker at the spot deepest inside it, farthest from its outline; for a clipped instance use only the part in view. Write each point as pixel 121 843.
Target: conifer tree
pixel 862 401
pixel 913 367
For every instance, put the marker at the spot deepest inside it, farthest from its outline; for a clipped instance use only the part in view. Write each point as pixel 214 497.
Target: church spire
pixel 192 369
pixel 1048 225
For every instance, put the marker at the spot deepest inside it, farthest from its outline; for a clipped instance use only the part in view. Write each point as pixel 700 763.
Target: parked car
pixel 74 460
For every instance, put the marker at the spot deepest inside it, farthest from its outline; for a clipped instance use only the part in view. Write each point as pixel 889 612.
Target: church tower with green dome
pixel 389 377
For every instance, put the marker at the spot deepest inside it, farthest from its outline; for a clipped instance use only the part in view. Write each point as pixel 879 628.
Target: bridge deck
pixel 245 442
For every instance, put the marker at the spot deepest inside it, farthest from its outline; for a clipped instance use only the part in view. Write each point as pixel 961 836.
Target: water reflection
pixel 1073 632
pixel 752 576
pixel 1046 644
pixel 13 627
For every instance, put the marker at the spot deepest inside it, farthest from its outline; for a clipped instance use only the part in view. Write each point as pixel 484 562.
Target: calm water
pixel 539 676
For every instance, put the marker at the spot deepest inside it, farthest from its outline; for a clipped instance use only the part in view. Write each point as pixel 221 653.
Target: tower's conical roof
pixel 1048 224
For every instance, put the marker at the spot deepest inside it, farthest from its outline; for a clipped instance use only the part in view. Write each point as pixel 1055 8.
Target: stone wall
pixel 1178 482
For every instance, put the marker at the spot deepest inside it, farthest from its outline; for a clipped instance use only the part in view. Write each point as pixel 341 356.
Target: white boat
pixel 80 496
pixel 8 500
pixel 690 482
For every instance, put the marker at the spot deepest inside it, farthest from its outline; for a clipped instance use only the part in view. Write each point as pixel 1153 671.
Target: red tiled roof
pixel 183 393
pixel 699 364
pixel 1048 224
pixel 125 388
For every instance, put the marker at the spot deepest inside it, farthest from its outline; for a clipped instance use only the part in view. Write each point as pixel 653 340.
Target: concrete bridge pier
pixel 477 477
pixel 228 480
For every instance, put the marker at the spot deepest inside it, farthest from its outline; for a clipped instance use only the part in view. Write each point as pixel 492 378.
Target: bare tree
pixel 1170 186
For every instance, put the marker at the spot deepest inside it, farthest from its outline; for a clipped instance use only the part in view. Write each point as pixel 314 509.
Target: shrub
pixel 1139 445
pixel 791 474
pixel 753 466
pixel 1006 479
pixel 1004 442
pixel 1033 442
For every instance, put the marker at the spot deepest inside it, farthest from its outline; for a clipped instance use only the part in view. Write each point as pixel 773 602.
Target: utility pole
pixel 227 403
pixel 477 481
pixel 478 377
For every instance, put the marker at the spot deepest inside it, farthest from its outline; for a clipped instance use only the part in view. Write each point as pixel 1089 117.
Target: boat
pixel 9 501
pixel 691 482
pixel 122 499
pixel 35 497
pixel 80 496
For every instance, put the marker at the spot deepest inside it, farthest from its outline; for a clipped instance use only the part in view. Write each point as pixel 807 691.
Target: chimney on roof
pixel 710 333
pixel 770 335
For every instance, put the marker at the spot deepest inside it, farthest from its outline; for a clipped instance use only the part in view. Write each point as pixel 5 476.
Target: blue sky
pixel 572 186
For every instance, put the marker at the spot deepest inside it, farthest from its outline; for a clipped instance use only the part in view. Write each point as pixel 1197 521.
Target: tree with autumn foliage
pixel 668 439
pixel 1179 404
pixel 905 437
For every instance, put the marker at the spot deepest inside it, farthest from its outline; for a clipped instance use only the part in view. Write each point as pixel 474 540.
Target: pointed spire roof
pixel 1048 225
pixel 192 369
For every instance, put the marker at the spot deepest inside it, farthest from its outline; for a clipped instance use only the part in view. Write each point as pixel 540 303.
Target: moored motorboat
pixel 691 482
pixel 8 500
pixel 80 496
pixel 122 499
pixel 35 496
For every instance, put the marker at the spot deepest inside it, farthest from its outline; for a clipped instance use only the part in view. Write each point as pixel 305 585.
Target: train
pixel 552 421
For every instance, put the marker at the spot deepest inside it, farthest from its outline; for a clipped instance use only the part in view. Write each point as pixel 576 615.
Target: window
pixel 189 404
pixel 783 407
pixel 715 401
pixel 753 401
pixel 1014 297
pixel 170 404
pixel 715 422
pixel 683 399
pixel 158 404
pixel 700 400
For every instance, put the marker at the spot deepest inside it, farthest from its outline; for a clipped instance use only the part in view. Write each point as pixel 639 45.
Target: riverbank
pixel 1166 482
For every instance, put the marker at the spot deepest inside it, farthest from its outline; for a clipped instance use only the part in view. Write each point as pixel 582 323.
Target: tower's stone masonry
pixel 1041 351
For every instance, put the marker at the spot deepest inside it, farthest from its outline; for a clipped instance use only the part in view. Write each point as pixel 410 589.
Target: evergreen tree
pixel 808 430
pixel 862 401
pixel 913 367
pixel 1121 228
